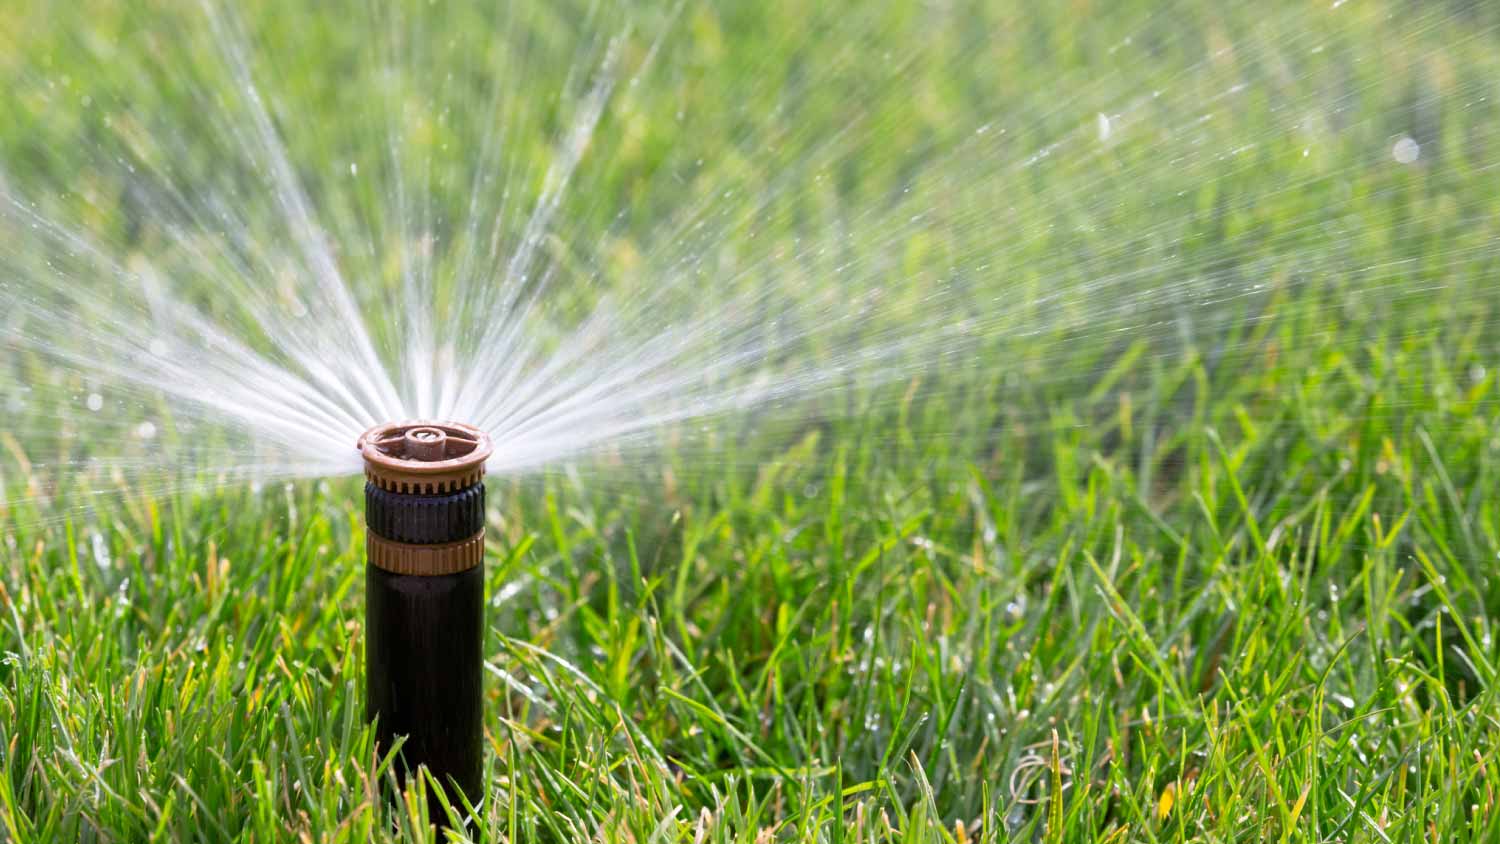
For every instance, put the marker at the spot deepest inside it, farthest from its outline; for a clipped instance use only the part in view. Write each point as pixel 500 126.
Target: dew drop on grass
pixel 95 402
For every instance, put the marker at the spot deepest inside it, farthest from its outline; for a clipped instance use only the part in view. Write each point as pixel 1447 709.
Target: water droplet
pixel 1406 151
pixel 95 402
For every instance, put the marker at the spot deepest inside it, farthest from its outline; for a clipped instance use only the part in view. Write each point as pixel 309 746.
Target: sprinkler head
pixel 416 458
pixel 424 496
pixel 424 596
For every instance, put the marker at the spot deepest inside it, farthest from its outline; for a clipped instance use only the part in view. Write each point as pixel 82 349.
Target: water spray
pixel 424 596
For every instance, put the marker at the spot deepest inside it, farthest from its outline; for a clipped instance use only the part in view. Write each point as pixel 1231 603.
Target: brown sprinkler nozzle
pixel 424 496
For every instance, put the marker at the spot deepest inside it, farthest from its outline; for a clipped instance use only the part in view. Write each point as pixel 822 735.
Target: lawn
pixel 1168 511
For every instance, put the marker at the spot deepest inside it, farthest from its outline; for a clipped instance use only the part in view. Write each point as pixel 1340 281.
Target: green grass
pixel 1230 579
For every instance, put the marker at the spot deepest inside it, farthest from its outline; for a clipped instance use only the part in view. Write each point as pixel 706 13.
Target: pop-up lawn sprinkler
pixel 424 596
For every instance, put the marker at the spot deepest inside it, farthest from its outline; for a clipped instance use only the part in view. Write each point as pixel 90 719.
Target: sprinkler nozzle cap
pixel 424 458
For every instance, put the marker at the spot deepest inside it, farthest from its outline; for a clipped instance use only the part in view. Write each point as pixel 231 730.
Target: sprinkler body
pixel 424 598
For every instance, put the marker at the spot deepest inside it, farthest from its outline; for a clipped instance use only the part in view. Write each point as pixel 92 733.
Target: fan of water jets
pixel 239 242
